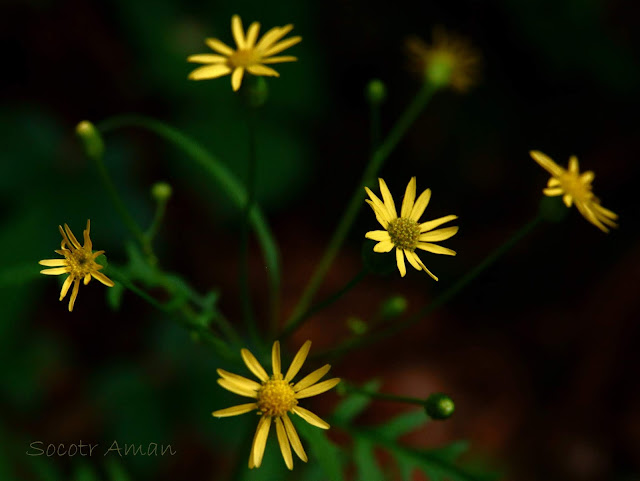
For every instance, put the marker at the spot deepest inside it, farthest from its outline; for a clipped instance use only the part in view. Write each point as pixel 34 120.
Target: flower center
pixel 276 397
pixel 80 262
pixel 574 186
pixel 440 67
pixel 243 58
pixel 404 233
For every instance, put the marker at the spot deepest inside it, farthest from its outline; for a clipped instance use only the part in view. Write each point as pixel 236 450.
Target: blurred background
pixel 540 353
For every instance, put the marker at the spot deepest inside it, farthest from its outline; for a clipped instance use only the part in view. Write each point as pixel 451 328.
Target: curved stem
pixel 443 298
pixel 384 396
pixel 222 176
pixel 349 215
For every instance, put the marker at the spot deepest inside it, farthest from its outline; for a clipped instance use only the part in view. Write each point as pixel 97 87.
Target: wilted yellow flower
pixel 79 262
pixel 249 55
pixel 404 233
pixel 575 187
pixel 275 396
pixel 450 61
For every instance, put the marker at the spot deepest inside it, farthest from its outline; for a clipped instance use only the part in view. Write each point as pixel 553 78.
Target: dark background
pixel 540 353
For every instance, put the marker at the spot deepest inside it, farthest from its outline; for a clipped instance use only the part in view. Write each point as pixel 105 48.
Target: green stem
pixel 290 329
pixel 222 176
pixel 350 213
pixel 384 396
pixel 161 207
pixel 443 298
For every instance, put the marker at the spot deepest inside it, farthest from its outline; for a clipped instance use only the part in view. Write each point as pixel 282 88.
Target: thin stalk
pixel 443 298
pixel 384 396
pixel 350 213
pixel 161 207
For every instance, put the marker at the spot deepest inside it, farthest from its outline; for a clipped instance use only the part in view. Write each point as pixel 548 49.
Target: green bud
pixel 357 325
pixel 161 191
pixel 91 139
pixel 375 92
pixel 393 307
pixel 439 406
pixel 255 92
pixel 552 209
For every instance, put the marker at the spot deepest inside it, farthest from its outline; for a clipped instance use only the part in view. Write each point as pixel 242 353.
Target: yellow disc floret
pixel 404 233
pixel 276 397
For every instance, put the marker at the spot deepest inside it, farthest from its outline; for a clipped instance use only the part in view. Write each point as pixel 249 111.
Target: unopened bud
pixel 161 191
pixel 393 307
pixel 439 406
pixel 357 325
pixel 91 139
pixel 375 91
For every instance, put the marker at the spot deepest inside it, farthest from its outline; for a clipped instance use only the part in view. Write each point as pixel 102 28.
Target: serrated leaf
pixel 365 461
pixel 402 424
pixel 354 403
pixel 322 448
pixel 450 452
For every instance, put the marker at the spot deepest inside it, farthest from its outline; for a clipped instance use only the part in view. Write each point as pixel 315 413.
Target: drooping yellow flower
pixel 275 396
pixel 249 56
pixel 404 232
pixel 575 188
pixel 79 262
pixel 450 61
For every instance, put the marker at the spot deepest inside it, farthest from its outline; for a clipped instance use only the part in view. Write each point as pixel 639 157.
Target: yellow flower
pixel 249 55
pixel 274 396
pixel 79 262
pixel 575 187
pixel 450 62
pixel 404 233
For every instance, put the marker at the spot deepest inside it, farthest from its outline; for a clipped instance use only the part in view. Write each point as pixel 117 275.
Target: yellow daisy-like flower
pixel 275 396
pixel 249 55
pixel 450 61
pixel 575 187
pixel 404 232
pixel 79 262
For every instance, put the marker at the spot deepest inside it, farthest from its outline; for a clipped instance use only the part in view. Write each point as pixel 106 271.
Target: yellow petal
pixel 319 388
pixel 283 441
pixel 400 262
pixel 567 199
pixel 294 439
pixel 218 46
pixel 237 388
pixel 74 294
pixel 260 440
pixel 436 249
pixel 238 33
pixel 272 36
pixel 280 46
pixel 53 262
pixel 65 287
pixel 275 358
pixel 380 207
pixel 284 58
pixel 604 211
pixel 382 219
pixel 298 361
pixel 409 198
pixel 420 205
pixel 262 70
pixel 99 276
pixel 71 237
pixel 235 410
pixel 383 246
pixel 590 216
pixel 312 378
pixel 587 177
pixel 432 224
pixel 412 260
pixel 553 182
pixel 553 191
pixel 311 418
pixel 573 165
pixel 253 365
pixel 378 235
pixel 252 34
pixel 239 380
pixel 56 271
pixel 88 245
pixel 206 58
pixel 388 200
pixel 438 235
pixel 546 163
pixel 87 278
pixel 236 78
pixel 209 72
pixel 417 259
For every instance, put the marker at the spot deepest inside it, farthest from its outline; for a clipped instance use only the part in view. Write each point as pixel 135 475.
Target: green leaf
pixel 402 424
pixel 114 296
pixel 354 403
pixel 365 460
pixel 322 448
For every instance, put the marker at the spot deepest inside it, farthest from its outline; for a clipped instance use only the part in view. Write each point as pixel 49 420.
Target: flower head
pixel 449 62
pixel 79 262
pixel 575 188
pixel 404 232
pixel 249 56
pixel 274 397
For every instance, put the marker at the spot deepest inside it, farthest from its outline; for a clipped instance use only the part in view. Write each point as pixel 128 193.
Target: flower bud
pixel 161 191
pixel 357 325
pixel 91 138
pixel 393 307
pixel 375 92
pixel 439 406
